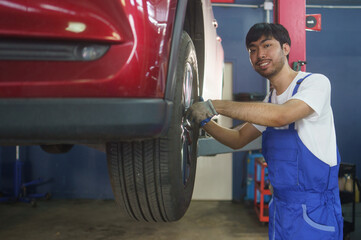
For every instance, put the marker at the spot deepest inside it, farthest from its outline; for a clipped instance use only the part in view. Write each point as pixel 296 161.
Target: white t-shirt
pixel 317 131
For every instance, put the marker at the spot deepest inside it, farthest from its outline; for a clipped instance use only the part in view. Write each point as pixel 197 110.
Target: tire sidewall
pixel 181 193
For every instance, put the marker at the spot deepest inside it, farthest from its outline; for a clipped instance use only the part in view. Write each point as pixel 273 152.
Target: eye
pixel 267 45
pixel 251 50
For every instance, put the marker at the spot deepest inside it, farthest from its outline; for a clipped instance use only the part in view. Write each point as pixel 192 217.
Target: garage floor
pixel 98 219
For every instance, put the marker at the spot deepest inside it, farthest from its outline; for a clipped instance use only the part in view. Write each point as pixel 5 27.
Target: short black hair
pixel 275 30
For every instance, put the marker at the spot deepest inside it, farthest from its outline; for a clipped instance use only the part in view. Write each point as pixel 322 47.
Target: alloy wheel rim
pixel 186 137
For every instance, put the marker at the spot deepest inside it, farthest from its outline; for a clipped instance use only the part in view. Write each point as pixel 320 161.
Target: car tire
pixel 153 180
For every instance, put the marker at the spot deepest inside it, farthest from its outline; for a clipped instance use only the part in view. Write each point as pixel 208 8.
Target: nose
pixel 261 54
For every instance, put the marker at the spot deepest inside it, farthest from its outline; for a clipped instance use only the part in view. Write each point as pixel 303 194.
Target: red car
pixel 114 72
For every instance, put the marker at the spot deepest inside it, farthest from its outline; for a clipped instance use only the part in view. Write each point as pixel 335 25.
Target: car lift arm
pixel 208 146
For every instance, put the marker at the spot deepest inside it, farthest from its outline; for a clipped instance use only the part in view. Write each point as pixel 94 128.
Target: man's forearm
pixel 232 138
pixel 254 112
pixel 228 137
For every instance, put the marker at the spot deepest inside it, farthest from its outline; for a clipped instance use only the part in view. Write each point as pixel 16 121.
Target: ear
pixel 286 49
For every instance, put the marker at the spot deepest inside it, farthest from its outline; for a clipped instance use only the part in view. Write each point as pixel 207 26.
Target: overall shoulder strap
pixel 270 96
pixel 299 83
pixel 292 125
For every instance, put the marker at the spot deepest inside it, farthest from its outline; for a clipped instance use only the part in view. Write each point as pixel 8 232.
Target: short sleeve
pixel 315 91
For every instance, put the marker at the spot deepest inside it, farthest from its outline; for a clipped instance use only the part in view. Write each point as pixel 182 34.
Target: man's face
pixel 267 56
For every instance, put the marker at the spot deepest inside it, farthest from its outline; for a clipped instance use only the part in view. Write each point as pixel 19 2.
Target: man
pixel 298 139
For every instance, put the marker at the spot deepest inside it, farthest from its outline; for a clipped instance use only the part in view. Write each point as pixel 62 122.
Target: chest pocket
pixel 283 167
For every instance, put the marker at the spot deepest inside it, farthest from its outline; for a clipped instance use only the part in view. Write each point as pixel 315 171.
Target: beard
pixel 276 66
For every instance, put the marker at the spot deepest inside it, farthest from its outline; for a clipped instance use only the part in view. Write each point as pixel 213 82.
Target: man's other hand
pixel 200 111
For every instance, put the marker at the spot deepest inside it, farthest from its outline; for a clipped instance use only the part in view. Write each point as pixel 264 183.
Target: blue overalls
pixel 306 203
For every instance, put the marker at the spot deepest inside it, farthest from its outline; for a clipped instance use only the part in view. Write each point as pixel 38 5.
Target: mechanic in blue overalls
pixel 298 139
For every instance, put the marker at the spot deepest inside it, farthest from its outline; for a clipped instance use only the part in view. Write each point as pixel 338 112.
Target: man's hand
pixel 201 112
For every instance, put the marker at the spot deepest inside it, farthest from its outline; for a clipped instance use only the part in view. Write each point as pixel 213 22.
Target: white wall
pixel 214 174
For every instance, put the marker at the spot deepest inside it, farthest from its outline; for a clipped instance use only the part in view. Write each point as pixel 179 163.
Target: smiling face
pixel 267 56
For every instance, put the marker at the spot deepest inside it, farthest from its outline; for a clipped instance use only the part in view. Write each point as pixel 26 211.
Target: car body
pixel 95 72
pixel 39 82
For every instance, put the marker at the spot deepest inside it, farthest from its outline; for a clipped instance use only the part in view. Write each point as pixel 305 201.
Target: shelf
pixel 347 197
pixel 348 227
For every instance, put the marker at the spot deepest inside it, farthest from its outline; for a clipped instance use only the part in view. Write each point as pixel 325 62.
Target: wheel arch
pixel 189 18
pixel 194 26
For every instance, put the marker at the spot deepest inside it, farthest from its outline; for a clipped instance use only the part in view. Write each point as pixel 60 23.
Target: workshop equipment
pixel 252 155
pixel 297 65
pixel 347 194
pixel 261 187
pixel 21 188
